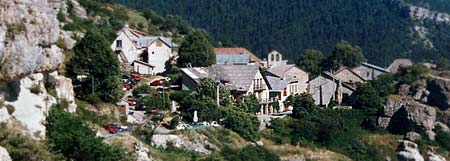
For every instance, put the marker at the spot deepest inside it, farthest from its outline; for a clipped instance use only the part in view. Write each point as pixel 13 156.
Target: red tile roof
pixel 253 57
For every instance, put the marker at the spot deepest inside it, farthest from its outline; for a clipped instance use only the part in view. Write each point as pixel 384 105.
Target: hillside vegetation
pixel 382 28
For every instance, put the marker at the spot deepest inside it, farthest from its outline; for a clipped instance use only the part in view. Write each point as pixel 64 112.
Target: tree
pixel 411 74
pixel 249 104
pixel 245 124
pixel 304 106
pixel 155 101
pixel 206 108
pixel 367 99
pixel 208 88
pixel 70 136
pixel 344 54
pixel 443 64
pixel 95 60
pixel 310 61
pixel 197 50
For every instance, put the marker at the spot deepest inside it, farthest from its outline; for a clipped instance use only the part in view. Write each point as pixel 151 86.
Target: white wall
pixel 158 56
pixel 128 48
pixel 143 69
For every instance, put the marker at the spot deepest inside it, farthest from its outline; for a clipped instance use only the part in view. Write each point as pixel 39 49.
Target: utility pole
pixel 217 92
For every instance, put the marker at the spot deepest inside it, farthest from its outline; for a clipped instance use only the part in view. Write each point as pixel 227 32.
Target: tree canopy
pixel 310 60
pixel 344 54
pixel 94 59
pixel 197 50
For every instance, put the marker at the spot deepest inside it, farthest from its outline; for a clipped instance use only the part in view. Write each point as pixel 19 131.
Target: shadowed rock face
pixel 29 30
pixel 439 92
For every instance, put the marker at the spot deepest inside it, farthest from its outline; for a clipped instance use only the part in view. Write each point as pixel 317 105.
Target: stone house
pixel 280 89
pixel 141 53
pixel 293 73
pixel 370 71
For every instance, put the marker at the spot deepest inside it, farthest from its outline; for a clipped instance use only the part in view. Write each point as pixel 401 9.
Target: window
pixel 119 43
pixel 153 52
pixel 285 92
pixel 272 58
pixel 278 57
pixel 368 74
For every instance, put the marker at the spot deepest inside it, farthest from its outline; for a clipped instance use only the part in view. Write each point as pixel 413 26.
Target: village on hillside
pixel 271 80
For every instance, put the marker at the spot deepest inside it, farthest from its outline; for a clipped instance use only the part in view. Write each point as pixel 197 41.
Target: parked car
pixel 136 77
pixel 157 83
pixel 153 110
pixel 215 124
pixel 129 79
pixel 126 86
pixel 183 127
pixel 111 129
pixel 131 101
pixel 140 107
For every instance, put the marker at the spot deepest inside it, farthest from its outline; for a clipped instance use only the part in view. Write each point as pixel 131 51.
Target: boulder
pixel 198 145
pixel 408 151
pixel 4 155
pixel 430 135
pixel 442 126
pixel 64 90
pixel 406 114
pixel 412 136
pixel 4 115
pixel 435 157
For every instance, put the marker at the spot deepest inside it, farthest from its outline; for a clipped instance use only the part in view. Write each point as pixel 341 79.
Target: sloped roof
pixel 148 40
pixel 238 77
pixel 277 84
pixel 232 59
pixel 375 67
pixel 197 73
pixel 280 70
pixel 253 57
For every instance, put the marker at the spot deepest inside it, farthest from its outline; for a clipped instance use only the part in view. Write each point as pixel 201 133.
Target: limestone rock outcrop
pixel 412 136
pixel 404 114
pixel 408 151
pixel 198 145
pixel 4 155
pixel 28 36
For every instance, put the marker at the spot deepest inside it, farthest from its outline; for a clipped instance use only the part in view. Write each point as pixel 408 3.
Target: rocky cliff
pixel 29 30
pixel 30 45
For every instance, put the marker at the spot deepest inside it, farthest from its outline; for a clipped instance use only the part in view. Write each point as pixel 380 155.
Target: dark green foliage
pixel 21 146
pixel 249 104
pixel 155 102
pixel 368 99
pixel 337 130
pixel 70 136
pixel 443 139
pixel 411 74
pixel 343 54
pixel 304 106
pixel 174 122
pixel 310 60
pixel 253 153
pixel 94 59
pixel 245 124
pixel 206 108
pixel 143 90
pixel 384 85
pixel 197 50
pixel 178 96
pixel 382 28
pixel 207 88
pixel 443 64
pixel 10 108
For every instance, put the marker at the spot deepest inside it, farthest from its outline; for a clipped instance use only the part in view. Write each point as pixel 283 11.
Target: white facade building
pixel 143 54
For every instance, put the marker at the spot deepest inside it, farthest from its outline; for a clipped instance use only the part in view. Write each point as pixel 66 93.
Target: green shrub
pixel 93 98
pixel 245 124
pixel 253 153
pixel 178 96
pixel 36 89
pixel 443 139
pixel 143 90
pixel 50 85
pixel 174 122
pixel 10 108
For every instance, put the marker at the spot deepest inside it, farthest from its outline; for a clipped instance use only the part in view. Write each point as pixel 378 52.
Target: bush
pixel 253 153
pixel 443 139
pixel 36 89
pixel 245 124
pixel 70 136
pixel 174 122
pixel 153 101
pixel 178 96
pixel 93 98
pixel 143 90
